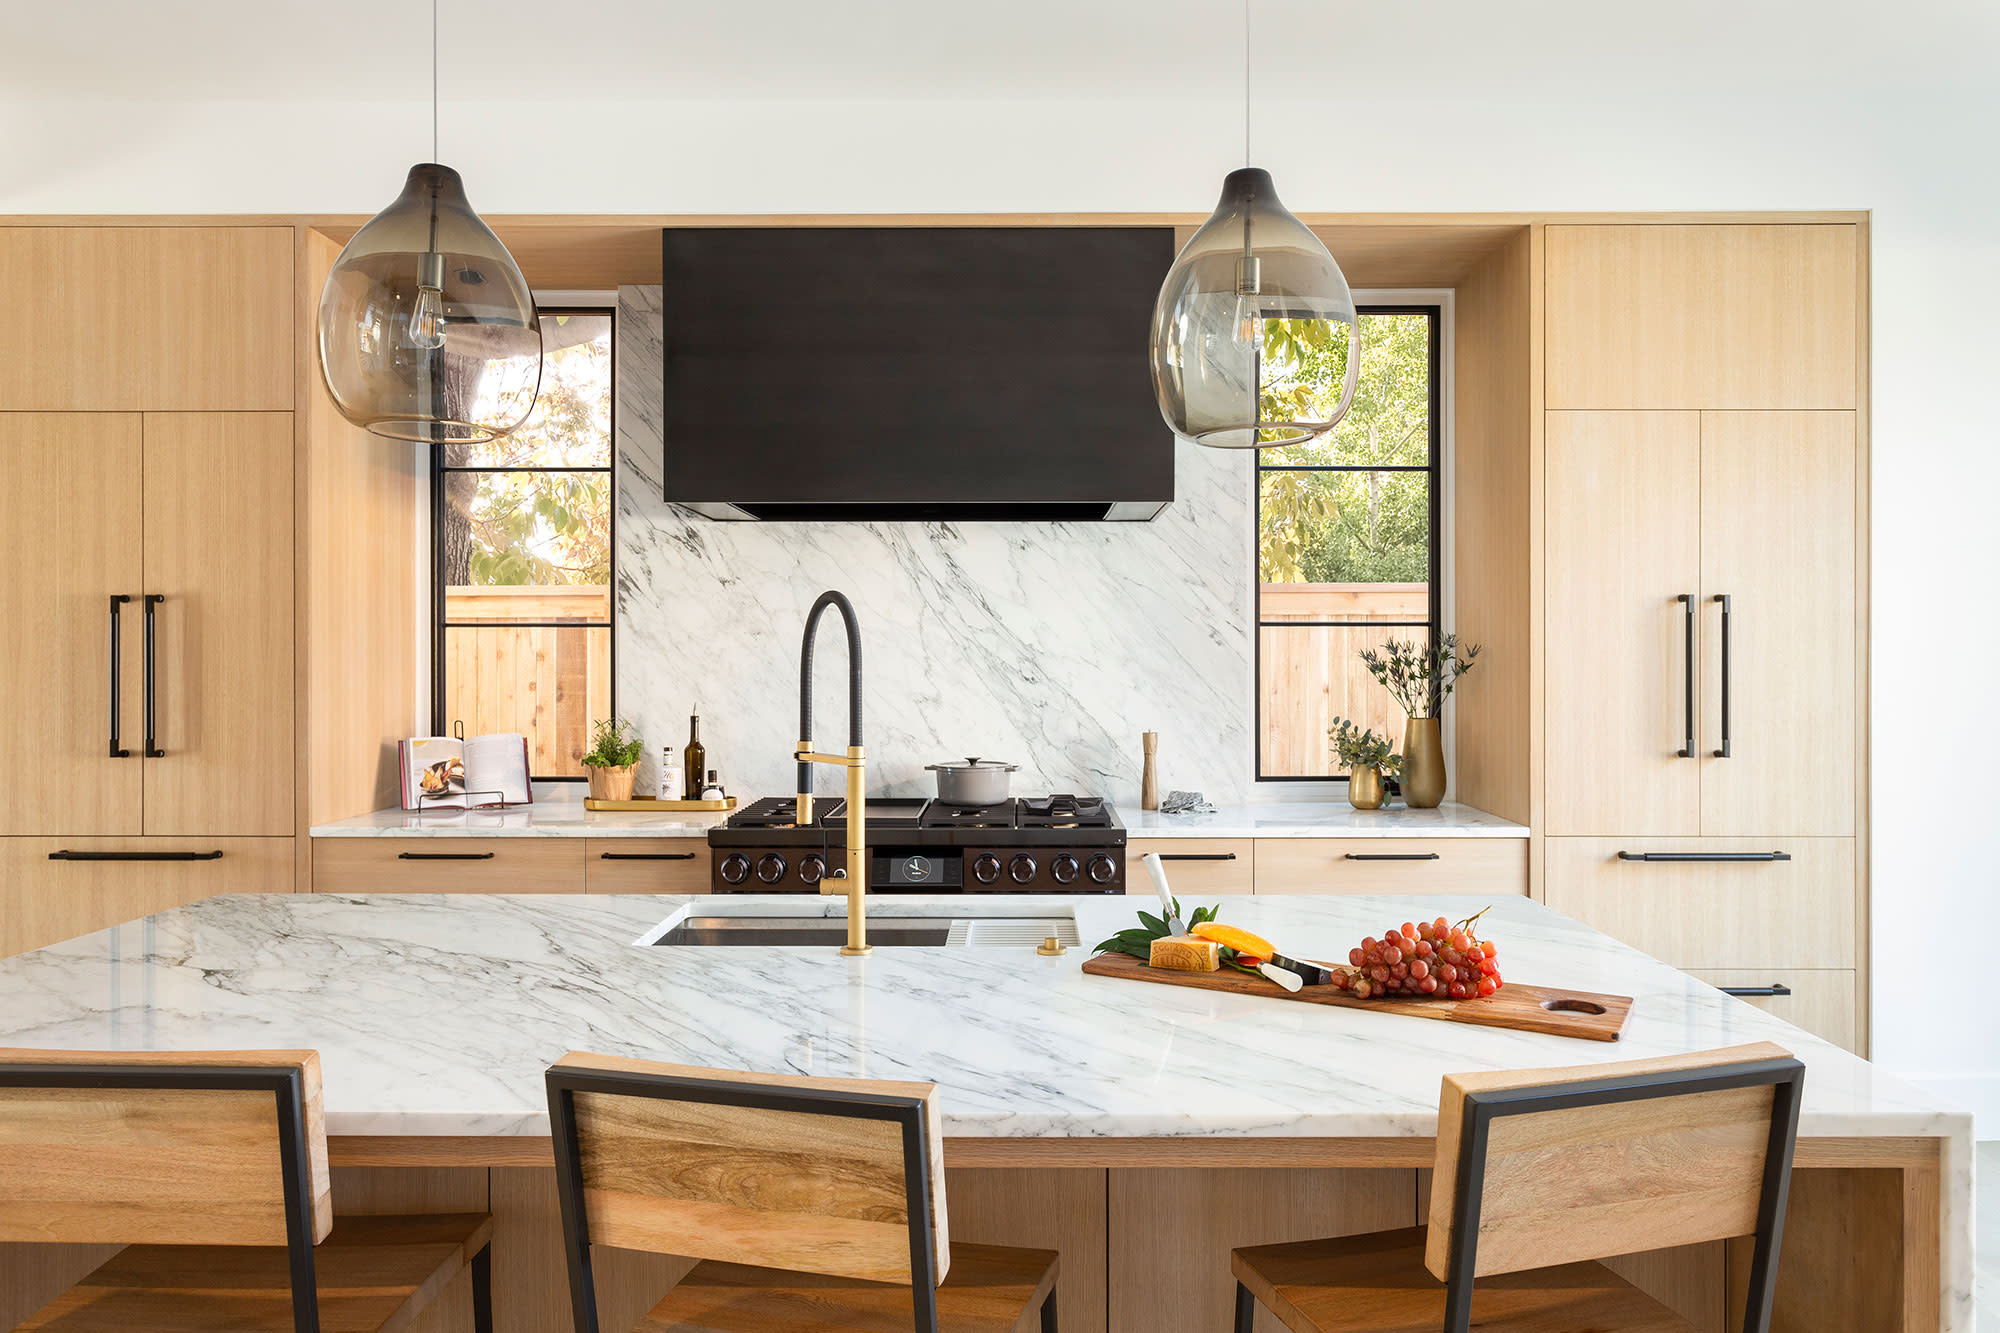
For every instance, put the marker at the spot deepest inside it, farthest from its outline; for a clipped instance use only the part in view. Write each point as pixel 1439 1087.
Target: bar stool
pixel 812 1203
pixel 1539 1173
pixel 210 1167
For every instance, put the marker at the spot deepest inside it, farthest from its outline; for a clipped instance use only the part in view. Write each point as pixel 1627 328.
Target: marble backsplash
pixel 1050 645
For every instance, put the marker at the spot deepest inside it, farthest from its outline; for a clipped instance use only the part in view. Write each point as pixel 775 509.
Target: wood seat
pixel 375 1275
pixel 1378 1284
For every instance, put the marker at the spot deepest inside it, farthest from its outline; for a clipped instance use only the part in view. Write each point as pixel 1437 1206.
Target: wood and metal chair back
pixel 1542 1167
pixel 168 1148
pixel 840 1177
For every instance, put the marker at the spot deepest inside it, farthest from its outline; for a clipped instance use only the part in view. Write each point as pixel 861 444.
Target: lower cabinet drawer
pixel 1712 912
pixel 646 865
pixel 1820 1001
pixel 54 889
pixel 1392 865
pixel 1195 866
pixel 448 865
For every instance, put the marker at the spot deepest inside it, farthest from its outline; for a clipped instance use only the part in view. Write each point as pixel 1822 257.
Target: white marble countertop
pixel 1277 819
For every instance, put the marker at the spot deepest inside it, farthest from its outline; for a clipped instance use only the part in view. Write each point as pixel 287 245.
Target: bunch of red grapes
pixel 1435 959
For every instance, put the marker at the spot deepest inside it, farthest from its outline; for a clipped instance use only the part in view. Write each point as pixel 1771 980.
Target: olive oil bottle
pixel 697 758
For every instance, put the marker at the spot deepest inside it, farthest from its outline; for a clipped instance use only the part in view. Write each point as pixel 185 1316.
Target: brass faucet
pixel 855 872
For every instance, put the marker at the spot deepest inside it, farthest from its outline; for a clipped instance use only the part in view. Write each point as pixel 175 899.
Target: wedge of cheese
pixel 1185 953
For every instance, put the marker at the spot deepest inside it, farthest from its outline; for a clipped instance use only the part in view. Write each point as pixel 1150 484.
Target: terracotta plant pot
pixel 1423 764
pixel 612 784
pixel 1364 788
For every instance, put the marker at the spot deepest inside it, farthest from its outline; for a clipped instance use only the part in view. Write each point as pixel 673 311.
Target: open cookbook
pixel 449 773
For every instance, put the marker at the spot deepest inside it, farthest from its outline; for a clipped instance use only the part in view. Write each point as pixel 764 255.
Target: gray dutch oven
pixel 972 781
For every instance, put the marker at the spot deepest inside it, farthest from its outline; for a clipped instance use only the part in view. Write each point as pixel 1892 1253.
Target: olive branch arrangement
pixel 1419 676
pixel 1355 747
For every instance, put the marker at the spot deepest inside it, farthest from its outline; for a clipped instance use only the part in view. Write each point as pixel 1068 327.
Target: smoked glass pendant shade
pixel 427 330
pixel 1249 320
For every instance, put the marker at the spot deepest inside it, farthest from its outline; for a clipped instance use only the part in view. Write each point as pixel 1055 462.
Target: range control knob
pixel 986 867
pixel 735 868
pixel 813 869
pixel 1022 868
pixel 1064 868
pixel 1102 868
pixel 770 867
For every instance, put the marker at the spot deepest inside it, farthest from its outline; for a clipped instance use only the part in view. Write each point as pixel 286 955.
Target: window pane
pixel 571 423
pixel 546 683
pixel 526 528
pixel 1390 422
pixel 1344 527
pixel 1309 676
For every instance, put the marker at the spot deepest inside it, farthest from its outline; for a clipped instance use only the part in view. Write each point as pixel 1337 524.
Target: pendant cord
pixel 434 80
pixel 1246 82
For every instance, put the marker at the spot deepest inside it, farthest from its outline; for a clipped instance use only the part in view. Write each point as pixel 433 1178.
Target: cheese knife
pixel 1291 981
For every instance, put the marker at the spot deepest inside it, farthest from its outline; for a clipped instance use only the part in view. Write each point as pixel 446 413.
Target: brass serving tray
pixel 651 803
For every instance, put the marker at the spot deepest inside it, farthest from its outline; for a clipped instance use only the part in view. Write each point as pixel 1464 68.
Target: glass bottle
pixel 697 757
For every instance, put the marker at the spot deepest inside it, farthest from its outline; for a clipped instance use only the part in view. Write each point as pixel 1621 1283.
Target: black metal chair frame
pixel 294 1155
pixel 907 1113
pixel 1785 1077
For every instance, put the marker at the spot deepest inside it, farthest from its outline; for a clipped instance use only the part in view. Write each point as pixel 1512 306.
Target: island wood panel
pixel 1713 914
pixel 44 901
pixel 1702 316
pixel 1353 865
pixel 448 865
pixel 69 539
pixel 1823 1001
pixel 221 556
pixel 1060 1210
pixel 672 865
pixel 1623 541
pixel 1778 537
pixel 153 318
pixel 1860 1252
pixel 1195 867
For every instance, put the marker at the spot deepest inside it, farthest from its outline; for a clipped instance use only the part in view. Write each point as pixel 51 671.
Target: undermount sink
pixel 711 926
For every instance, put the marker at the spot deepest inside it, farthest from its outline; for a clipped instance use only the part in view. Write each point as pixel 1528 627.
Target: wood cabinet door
pixel 1392 865
pixel 219 551
pixel 1643 315
pixel 1623 543
pixel 1195 866
pixel 54 889
pixel 645 865
pixel 1778 539
pixel 1819 1000
pixel 448 865
pixel 69 541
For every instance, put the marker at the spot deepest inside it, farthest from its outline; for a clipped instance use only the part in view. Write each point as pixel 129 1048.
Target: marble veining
pixel 543 819
pixel 1050 645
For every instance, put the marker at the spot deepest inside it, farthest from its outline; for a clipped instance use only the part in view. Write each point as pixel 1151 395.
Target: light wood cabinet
pixel 448 865
pixel 1822 1001
pixel 1196 867
pixel 1392 865
pixel 646 865
pixel 1702 316
pixel 107 319
pixel 54 889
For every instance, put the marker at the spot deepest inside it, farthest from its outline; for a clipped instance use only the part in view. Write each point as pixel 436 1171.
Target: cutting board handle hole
pixel 1572 1006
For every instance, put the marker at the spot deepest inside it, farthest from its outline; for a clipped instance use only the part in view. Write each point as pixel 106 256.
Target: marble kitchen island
pixel 1140 1129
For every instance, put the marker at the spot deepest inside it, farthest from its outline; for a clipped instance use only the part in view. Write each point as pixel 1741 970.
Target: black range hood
pixel 913 373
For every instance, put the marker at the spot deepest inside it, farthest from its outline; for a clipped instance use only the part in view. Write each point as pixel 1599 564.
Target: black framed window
pixel 1348 541
pixel 523 560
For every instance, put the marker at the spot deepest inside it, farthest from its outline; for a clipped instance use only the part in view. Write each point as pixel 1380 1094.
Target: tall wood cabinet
pixel 146 437
pixel 1704 591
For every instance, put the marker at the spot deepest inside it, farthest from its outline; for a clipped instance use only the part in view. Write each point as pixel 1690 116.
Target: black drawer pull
pixel 1686 751
pixel 444 856
pixel 1723 753
pixel 1392 856
pixel 645 856
pixel 152 750
pixel 67 855
pixel 1757 992
pixel 1197 856
pixel 118 751
pixel 1704 856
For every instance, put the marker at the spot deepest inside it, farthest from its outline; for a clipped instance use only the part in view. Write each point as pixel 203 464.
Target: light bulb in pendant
pixel 427 320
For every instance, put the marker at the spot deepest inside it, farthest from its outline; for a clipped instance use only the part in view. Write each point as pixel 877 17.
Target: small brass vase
pixel 1364 788
pixel 1423 764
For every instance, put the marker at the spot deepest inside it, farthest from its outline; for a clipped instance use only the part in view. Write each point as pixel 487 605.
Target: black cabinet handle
pixel 1723 753
pixel 1392 856
pixel 1686 600
pixel 645 856
pixel 444 856
pixel 118 751
pixel 153 751
pixel 1197 856
pixel 1756 992
pixel 1704 856
pixel 67 855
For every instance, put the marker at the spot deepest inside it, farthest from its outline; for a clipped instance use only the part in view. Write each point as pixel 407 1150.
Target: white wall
pixel 1556 104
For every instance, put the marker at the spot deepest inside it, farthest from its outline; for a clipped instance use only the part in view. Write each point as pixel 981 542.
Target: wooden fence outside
pixel 1310 675
pixel 548 681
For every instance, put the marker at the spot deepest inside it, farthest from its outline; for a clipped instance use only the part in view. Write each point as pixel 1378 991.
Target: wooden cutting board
pixel 1562 1013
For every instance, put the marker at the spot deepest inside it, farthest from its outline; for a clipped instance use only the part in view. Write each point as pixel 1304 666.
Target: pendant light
pixel 1250 263
pixel 427 330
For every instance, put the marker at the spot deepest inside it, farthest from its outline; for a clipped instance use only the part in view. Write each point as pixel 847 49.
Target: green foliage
pixel 1138 940
pixel 1356 747
pixel 610 747
pixel 1419 676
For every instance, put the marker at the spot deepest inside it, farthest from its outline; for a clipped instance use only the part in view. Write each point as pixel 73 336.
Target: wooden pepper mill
pixel 1149 781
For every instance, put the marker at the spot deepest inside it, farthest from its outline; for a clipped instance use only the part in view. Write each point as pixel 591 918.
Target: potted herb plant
pixel 613 760
pixel 1420 677
pixel 1367 759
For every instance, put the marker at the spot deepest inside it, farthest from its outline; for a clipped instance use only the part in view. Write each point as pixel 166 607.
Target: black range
pixel 1047 844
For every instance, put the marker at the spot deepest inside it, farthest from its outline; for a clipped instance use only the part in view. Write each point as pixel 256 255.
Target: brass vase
pixel 1423 764
pixel 1364 788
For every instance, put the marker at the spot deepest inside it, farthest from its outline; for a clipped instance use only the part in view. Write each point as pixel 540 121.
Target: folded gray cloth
pixel 1185 803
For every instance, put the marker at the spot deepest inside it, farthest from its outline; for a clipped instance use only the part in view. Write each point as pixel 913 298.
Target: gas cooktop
pixel 917 812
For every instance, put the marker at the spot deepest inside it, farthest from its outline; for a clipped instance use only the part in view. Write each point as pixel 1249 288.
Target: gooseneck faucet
pixel 851 879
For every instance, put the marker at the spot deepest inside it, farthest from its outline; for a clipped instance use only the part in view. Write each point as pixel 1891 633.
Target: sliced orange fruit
pixel 1234 937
